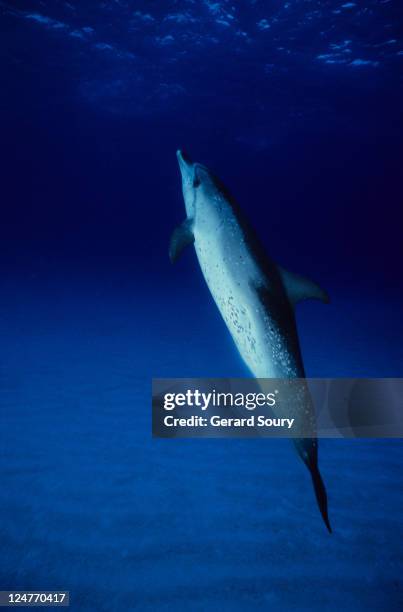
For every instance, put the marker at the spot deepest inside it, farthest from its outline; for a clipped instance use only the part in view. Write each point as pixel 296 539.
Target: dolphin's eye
pixel 196 182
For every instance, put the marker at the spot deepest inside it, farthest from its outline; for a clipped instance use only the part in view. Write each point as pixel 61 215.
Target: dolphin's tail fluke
pixel 307 448
pixel 320 493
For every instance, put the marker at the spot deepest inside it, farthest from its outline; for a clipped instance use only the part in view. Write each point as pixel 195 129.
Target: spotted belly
pixel 258 338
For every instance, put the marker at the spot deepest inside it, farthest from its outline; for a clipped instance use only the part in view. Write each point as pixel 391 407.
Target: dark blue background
pixel 311 150
pixel 297 107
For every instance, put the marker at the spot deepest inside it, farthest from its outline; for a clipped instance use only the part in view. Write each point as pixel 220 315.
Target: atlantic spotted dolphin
pixel 255 296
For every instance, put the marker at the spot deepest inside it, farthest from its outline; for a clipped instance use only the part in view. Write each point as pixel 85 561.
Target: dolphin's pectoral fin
pixel 181 237
pixel 300 288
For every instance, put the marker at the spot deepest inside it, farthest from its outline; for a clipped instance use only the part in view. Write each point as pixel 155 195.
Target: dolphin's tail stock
pixel 307 449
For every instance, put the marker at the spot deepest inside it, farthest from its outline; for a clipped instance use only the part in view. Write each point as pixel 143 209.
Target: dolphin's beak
pixel 185 163
pixel 183 157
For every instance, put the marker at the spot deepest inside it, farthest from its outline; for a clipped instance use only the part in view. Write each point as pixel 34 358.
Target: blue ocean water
pixel 297 107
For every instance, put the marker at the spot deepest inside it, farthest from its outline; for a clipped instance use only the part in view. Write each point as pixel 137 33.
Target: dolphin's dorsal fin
pixel 181 237
pixel 300 288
